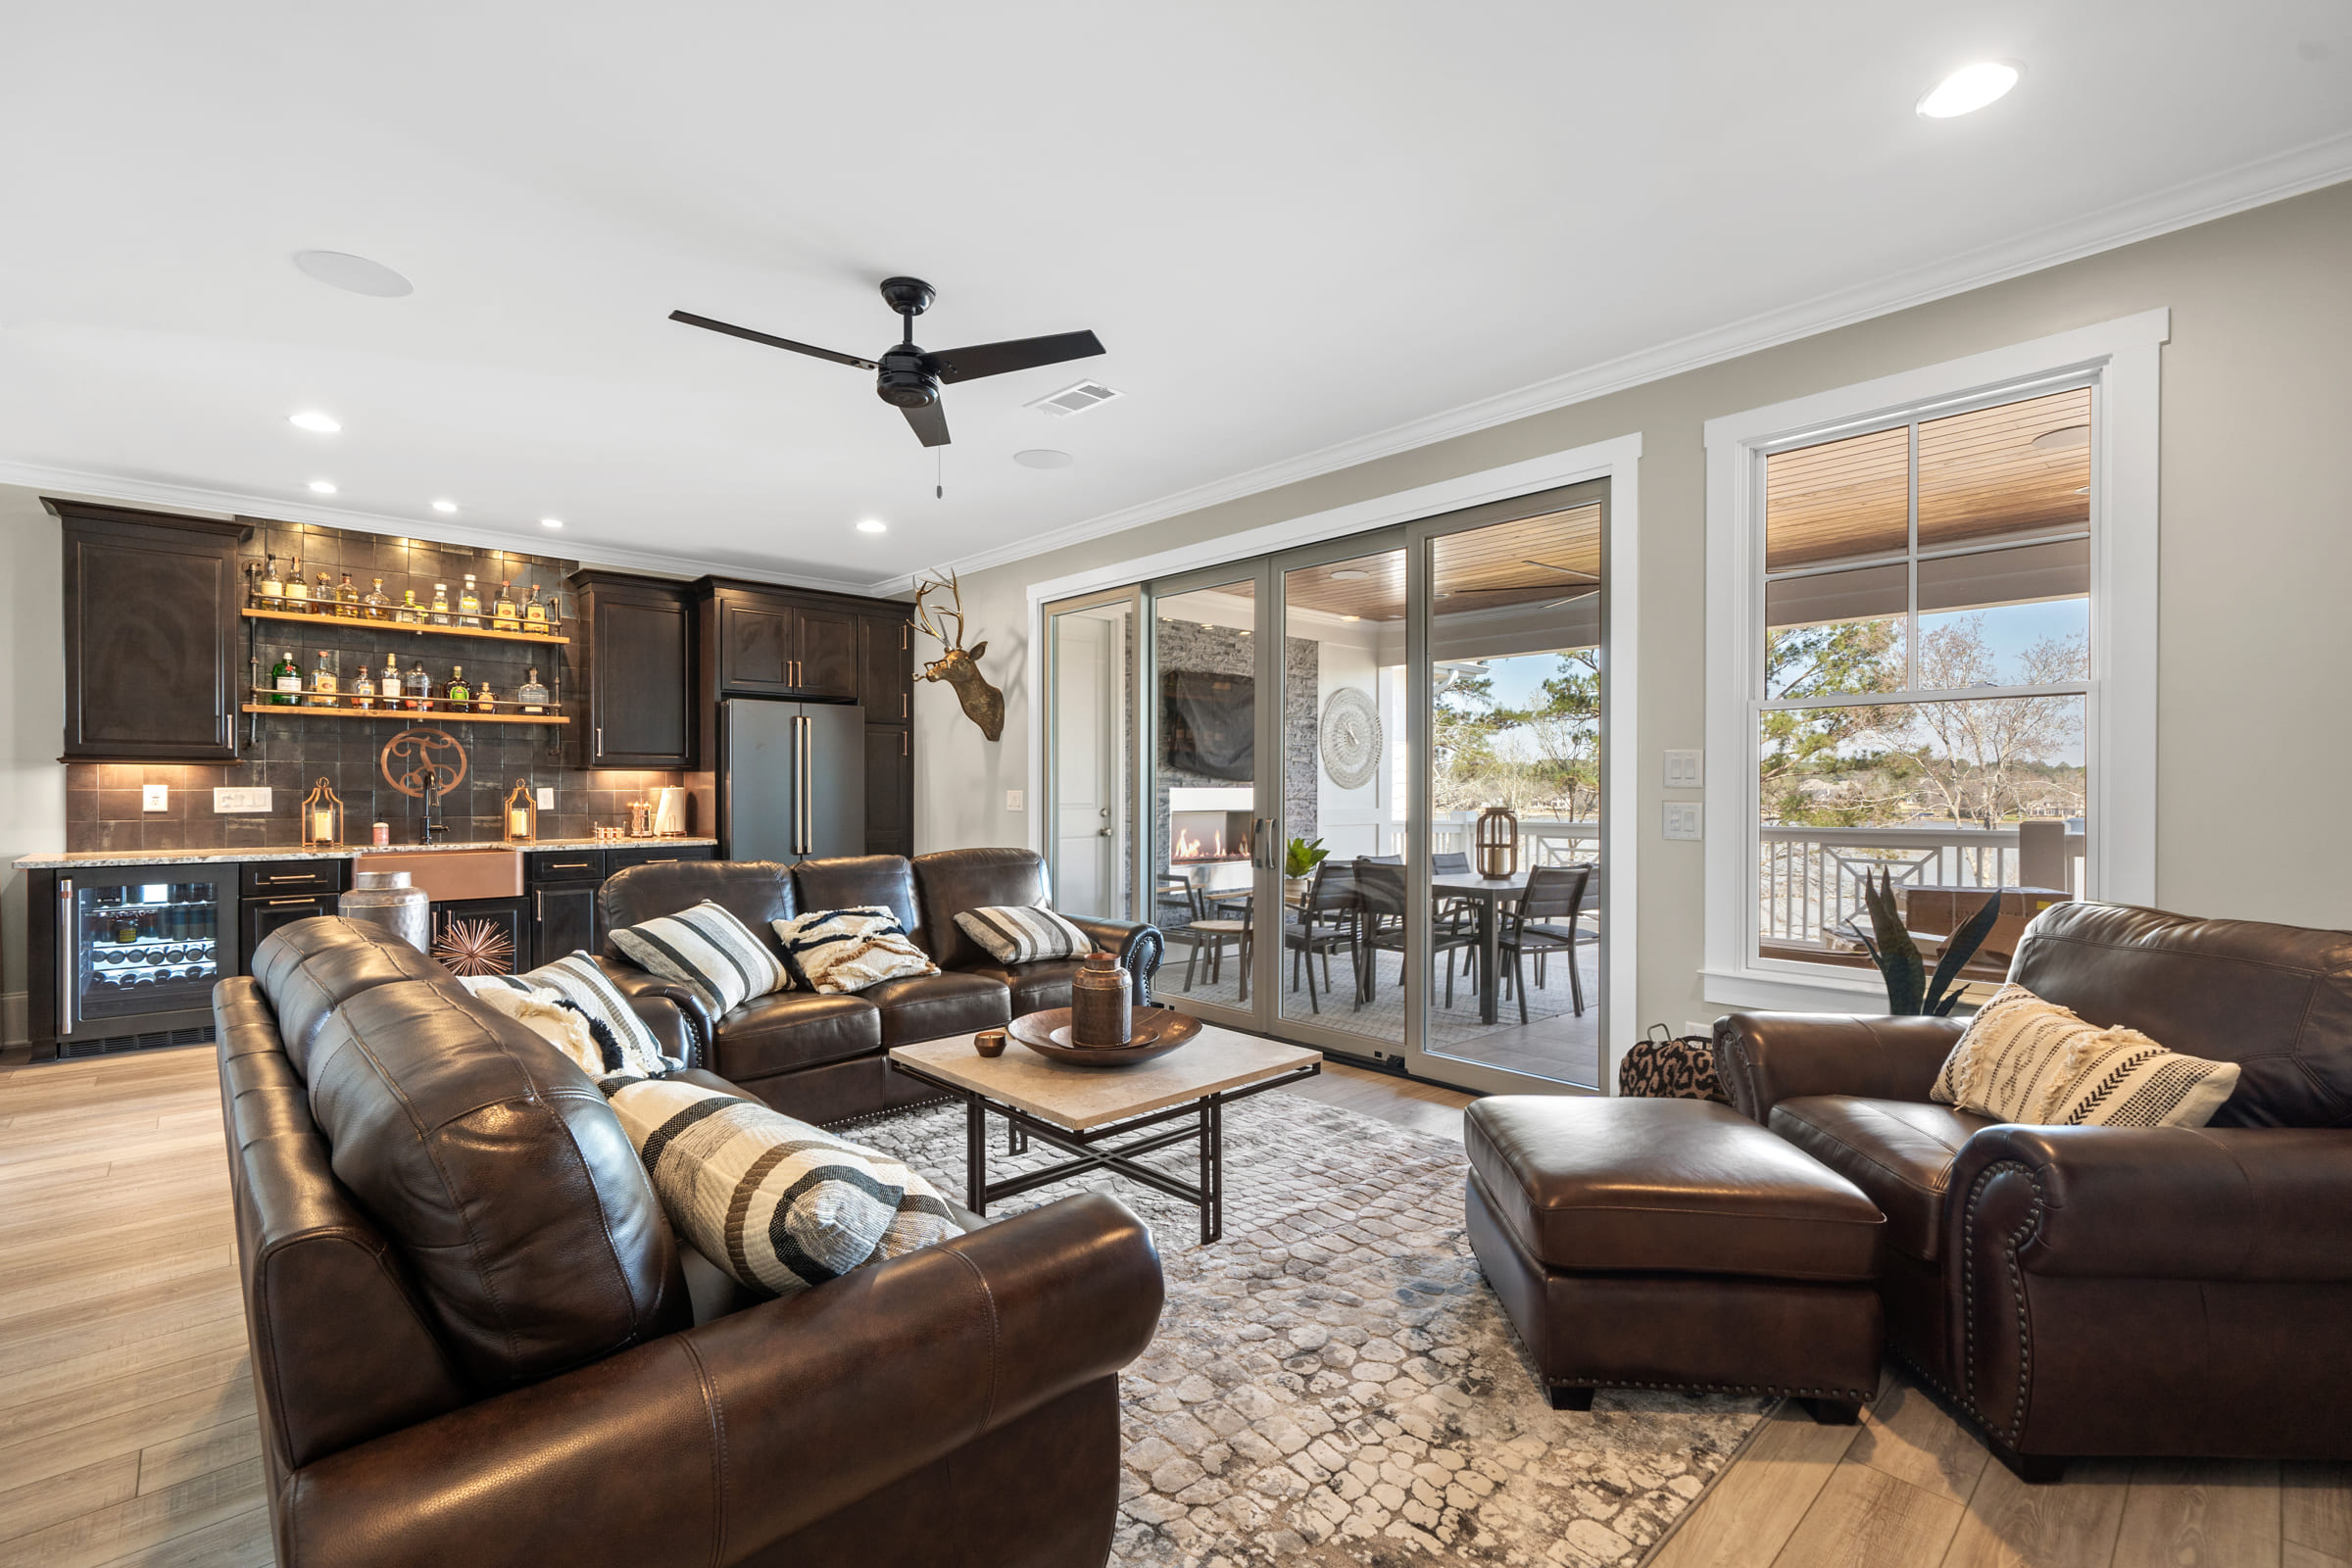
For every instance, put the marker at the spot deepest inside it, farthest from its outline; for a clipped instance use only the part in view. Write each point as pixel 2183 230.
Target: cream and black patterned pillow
pixel 709 951
pixel 573 1004
pixel 2024 1060
pixel 1013 935
pixel 776 1203
pixel 836 950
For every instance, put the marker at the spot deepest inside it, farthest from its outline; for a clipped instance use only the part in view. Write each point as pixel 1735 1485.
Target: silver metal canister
pixel 385 899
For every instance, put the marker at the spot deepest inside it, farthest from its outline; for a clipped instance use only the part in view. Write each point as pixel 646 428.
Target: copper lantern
pixel 520 813
pixel 321 818
pixel 1497 839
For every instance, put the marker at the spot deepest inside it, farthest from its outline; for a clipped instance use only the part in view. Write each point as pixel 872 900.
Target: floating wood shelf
pixel 484 633
pixel 413 715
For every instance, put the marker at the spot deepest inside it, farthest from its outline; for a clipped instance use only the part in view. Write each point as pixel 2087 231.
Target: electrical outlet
pixel 1683 819
pixel 227 800
pixel 1013 800
pixel 155 797
pixel 1686 770
pixel 546 799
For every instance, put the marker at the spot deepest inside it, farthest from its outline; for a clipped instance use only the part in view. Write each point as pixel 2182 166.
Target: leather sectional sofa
pixel 822 1057
pixel 2107 1291
pixel 491 1358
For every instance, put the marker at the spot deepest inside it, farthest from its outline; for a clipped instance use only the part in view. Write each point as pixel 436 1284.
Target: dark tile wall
pixel 291 754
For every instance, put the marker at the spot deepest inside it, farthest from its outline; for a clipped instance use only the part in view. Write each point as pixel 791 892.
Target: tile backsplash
pixel 288 754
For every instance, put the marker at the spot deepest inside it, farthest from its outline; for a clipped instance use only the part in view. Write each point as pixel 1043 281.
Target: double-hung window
pixel 1919 610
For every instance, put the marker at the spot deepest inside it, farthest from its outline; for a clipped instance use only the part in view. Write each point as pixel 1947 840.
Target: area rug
pixel 1335 1383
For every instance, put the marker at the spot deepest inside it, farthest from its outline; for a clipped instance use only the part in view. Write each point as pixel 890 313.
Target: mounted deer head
pixel 983 704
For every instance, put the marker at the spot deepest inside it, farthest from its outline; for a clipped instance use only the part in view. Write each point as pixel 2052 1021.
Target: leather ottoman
pixel 1674 1243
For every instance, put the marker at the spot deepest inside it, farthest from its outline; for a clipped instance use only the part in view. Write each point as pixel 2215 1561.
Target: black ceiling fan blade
pixel 773 342
pixel 1017 354
pixel 929 422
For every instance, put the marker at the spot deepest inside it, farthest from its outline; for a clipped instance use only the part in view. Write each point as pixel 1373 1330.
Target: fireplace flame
pixel 1191 847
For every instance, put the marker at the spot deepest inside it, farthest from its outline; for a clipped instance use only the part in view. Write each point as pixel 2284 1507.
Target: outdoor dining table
pixel 1489 892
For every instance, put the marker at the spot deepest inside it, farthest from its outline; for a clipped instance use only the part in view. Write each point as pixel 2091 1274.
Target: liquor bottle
pixel 470 605
pixel 347 599
pixel 483 701
pixel 457 693
pixel 419 690
pixel 323 597
pixel 531 696
pixel 298 591
pixel 502 611
pixel 375 604
pixel 410 612
pixel 535 618
pixel 363 687
pixel 440 604
pixel 322 684
pixel 387 685
pixel 273 587
pixel 285 680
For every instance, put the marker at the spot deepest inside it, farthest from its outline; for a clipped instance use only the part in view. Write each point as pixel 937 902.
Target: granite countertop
pixel 348 852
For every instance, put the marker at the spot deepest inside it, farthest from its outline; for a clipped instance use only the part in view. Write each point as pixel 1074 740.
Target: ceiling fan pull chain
pixel 939 475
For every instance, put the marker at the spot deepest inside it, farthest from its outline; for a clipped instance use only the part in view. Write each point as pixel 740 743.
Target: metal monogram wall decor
pixel 425 763
pixel 1352 741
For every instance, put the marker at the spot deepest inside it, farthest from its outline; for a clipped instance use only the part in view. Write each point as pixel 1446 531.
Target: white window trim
pixel 2120 715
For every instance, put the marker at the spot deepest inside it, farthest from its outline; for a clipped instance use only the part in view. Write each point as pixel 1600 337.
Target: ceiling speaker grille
pixel 1076 399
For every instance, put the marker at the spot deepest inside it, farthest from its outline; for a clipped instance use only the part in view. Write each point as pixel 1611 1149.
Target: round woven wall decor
pixel 1351 738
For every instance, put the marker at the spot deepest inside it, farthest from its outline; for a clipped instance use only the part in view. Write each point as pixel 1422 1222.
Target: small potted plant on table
pixel 1299 862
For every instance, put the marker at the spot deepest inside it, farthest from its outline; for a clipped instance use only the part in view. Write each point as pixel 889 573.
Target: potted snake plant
pixel 1910 990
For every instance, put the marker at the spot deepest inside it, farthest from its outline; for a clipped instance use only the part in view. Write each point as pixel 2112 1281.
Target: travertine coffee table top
pixel 1082 1098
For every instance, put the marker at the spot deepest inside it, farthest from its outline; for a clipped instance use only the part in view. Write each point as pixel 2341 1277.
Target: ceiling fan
pixel 908 376
pixel 1586 584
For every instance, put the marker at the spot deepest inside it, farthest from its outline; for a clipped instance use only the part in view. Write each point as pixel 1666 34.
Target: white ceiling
pixel 1295 227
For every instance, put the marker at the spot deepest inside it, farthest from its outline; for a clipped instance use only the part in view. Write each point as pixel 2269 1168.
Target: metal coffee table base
pixel 1200 1121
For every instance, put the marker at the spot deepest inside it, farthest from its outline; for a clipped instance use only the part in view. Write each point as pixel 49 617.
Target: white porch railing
pixel 1809 878
pixel 1542 839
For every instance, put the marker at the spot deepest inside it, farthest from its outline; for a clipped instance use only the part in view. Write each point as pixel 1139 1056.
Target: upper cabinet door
pixel 153 669
pixel 756 646
pixel 827 656
pixel 640 671
pixel 886 668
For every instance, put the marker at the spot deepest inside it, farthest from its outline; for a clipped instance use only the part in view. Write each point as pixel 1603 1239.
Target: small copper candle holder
pixel 989 1041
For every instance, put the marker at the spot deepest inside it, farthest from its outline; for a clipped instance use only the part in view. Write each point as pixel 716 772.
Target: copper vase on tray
pixel 1102 1002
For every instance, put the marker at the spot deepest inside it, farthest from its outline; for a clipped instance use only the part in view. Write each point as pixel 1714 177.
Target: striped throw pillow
pixel 571 998
pixel 835 951
pixel 1024 936
pixel 776 1203
pixel 709 951
pixel 2024 1060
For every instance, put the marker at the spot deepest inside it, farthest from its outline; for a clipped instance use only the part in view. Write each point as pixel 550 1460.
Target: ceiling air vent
pixel 1075 399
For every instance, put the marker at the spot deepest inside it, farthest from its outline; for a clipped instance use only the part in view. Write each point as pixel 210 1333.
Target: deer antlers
pixel 956 665
pixel 924 613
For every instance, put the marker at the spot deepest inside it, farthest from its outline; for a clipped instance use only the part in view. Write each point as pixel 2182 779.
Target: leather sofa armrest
pixel 1140 948
pixel 673 1013
pixel 2240 1203
pixel 1762 1059
pixel 712 1444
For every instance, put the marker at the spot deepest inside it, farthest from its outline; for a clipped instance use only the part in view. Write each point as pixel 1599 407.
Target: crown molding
pixel 232 503
pixel 2275 178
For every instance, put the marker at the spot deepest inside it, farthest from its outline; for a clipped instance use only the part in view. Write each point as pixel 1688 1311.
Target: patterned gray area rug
pixel 1334 1382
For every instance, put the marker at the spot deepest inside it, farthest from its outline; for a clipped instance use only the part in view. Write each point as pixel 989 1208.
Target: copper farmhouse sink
pixel 447 875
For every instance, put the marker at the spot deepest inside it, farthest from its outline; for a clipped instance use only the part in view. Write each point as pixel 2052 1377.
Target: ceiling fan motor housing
pixel 904 382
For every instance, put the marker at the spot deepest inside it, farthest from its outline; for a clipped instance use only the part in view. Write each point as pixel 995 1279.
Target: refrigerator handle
pixel 808 785
pixel 65 955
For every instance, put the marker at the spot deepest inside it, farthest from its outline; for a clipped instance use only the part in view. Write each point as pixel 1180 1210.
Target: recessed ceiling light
pixel 353 275
pixel 870 525
pixel 1043 458
pixel 445 505
pixel 2083 491
pixel 1349 574
pixel 2072 435
pixel 550 522
pixel 312 419
pixel 324 487
pixel 1969 89
pixel 1352 618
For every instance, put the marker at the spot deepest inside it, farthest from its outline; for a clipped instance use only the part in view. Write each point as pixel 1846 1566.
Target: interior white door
pixel 1084 690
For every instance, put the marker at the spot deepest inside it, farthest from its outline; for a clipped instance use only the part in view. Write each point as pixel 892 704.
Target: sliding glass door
pixel 1311 748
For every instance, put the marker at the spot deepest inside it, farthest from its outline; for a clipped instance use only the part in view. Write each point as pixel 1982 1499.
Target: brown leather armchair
pixel 2082 1291
pixel 955 1406
pixel 822 1057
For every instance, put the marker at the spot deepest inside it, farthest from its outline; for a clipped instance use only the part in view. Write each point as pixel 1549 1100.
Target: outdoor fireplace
pixel 1208 827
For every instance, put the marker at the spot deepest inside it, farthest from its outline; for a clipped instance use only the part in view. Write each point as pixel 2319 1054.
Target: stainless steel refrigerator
pixel 791 779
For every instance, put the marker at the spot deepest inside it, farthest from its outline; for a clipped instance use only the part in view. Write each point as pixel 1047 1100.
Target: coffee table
pixel 1081 1110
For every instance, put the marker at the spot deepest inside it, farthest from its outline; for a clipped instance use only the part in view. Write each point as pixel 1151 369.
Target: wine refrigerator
pixel 135 953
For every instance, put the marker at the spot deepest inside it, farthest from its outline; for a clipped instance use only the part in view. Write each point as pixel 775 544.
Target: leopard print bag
pixel 1663 1067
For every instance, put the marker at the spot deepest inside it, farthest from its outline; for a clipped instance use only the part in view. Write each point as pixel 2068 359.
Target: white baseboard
pixel 16 1017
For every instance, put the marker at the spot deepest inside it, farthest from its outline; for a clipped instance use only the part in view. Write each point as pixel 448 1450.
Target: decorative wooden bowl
pixel 1158 1030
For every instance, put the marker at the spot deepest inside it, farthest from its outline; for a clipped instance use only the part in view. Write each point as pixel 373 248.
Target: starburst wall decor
pixel 475 947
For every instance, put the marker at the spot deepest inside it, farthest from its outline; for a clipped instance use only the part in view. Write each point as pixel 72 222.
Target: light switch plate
pixel 546 799
pixel 228 801
pixel 1013 800
pixel 1686 770
pixel 1683 819
pixel 155 797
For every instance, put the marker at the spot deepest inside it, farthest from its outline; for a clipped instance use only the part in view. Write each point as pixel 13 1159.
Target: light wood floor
pixel 127 1435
